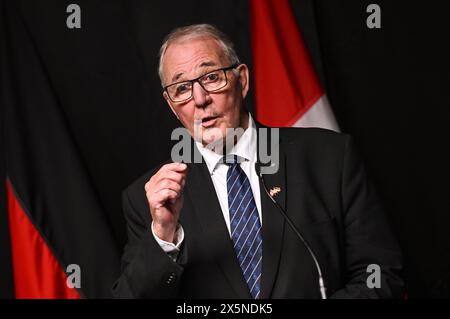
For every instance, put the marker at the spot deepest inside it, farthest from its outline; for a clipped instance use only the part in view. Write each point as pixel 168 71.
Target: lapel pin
pixel 274 190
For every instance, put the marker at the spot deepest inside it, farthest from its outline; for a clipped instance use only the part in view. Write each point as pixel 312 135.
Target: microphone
pixel 322 287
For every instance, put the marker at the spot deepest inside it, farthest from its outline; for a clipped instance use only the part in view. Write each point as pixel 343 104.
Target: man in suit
pixel 209 230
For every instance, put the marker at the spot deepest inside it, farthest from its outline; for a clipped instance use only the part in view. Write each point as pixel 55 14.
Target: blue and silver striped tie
pixel 245 225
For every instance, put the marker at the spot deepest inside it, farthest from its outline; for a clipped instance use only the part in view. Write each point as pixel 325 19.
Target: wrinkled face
pixel 206 115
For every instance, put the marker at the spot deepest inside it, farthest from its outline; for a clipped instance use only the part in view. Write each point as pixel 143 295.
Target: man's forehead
pixel 190 56
pixel 181 75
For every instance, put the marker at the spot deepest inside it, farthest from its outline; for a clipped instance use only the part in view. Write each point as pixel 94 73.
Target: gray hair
pixel 196 31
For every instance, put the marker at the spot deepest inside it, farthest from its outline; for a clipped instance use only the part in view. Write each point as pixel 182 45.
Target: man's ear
pixel 169 102
pixel 243 79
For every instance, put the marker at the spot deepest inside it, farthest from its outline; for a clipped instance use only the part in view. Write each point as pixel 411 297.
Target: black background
pixel 388 88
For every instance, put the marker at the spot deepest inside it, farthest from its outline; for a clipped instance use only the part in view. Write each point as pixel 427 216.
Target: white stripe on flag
pixel 318 115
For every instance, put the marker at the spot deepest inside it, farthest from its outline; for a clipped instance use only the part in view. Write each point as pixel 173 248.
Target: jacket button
pixel 171 278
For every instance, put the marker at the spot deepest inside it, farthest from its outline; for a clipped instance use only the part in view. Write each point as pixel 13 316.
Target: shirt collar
pixel 244 148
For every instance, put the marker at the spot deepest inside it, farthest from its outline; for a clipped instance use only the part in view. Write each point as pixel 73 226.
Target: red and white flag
pixel 287 89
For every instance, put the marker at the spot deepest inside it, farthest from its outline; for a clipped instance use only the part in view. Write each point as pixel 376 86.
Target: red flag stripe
pixel 286 85
pixel 37 273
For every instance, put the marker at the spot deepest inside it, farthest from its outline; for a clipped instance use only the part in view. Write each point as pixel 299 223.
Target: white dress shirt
pixel 246 149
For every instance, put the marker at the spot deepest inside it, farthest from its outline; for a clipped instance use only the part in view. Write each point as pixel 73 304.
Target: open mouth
pixel 209 121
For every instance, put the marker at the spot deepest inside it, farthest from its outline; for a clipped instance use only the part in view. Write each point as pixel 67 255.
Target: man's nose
pixel 199 95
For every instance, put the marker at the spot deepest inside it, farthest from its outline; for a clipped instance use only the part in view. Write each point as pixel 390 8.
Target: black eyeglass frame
pixel 234 66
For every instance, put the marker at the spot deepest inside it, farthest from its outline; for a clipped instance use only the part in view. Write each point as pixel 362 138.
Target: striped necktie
pixel 245 225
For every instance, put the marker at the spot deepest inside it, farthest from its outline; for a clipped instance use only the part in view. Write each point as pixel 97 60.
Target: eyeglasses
pixel 211 82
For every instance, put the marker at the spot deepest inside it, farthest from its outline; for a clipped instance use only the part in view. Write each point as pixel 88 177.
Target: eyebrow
pixel 177 76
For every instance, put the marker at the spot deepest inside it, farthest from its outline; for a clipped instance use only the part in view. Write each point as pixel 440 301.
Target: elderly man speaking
pixel 217 228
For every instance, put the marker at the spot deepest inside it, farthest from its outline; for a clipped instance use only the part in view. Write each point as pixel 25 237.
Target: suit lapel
pixel 206 204
pixel 272 221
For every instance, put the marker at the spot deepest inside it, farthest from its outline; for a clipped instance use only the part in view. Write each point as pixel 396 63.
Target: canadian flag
pixel 287 89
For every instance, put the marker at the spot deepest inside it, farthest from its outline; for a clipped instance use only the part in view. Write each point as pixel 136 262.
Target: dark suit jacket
pixel 324 190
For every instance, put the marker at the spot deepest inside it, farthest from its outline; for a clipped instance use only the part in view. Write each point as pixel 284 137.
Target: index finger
pixel 177 167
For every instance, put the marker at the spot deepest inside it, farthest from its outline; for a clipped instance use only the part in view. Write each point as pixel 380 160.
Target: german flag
pixel 61 243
